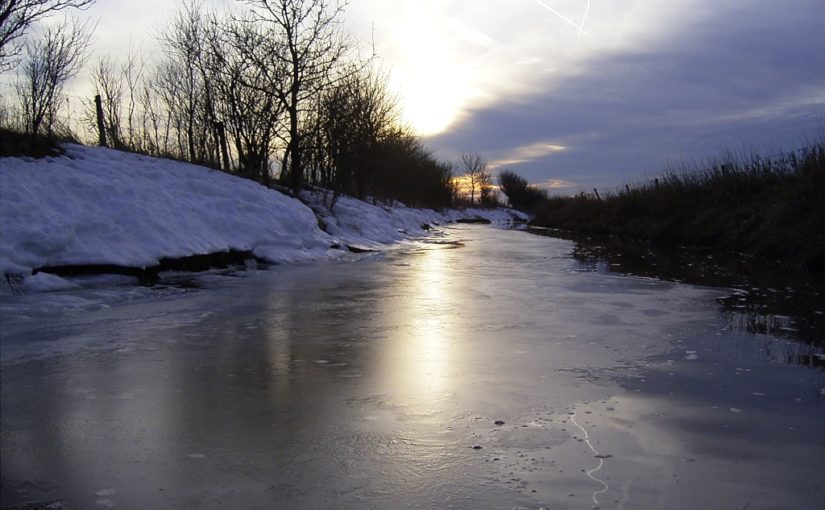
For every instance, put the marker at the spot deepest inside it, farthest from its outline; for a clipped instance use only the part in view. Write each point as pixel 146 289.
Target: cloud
pixel 526 153
pixel 623 114
pixel 555 184
pixel 450 58
pixel 473 36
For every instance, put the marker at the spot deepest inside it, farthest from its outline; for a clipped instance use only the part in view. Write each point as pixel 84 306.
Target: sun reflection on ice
pixel 431 330
pixel 426 351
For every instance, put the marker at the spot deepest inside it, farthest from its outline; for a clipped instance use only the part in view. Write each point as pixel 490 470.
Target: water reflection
pixel 767 349
pixel 765 298
pixel 431 329
pixel 421 353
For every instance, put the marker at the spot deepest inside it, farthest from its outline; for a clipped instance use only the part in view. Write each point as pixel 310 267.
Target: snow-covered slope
pixel 97 206
pixel 100 206
pixel 360 224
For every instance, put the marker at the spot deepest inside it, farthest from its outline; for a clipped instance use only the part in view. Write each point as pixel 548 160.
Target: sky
pixel 577 94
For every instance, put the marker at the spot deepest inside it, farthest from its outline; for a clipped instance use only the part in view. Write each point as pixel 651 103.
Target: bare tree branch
pixel 17 15
pixel 50 62
pixel 305 41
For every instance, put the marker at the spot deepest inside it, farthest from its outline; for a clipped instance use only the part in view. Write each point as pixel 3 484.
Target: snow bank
pixel 97 206
pixel 362 225
pixel 100 206
pixel 499 216
pixel 359 224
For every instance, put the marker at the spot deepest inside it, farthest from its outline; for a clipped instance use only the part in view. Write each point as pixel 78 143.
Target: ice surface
pixel 368 384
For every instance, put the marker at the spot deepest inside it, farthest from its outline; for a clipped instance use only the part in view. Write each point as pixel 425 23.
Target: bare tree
pixel 182 39
pixel 17 15
pixel 474 167
pixel 108 84
pixel 185 41
pixel 132 72
pixel 252 114
pixel 49 64
pixel 486 188
pixel 164 90
pixel 213 89
pixel 305 41
pixel 351 119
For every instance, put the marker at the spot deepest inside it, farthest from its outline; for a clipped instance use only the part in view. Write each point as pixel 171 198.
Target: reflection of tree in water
pixel 766 297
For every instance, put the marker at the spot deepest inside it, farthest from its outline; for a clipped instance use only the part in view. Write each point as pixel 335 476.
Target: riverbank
pixel 97 210
pixel 765 206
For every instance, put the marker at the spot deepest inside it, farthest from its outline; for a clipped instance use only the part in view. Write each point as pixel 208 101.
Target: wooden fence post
pixel 597 195
pixel 219 126
pixel 101 127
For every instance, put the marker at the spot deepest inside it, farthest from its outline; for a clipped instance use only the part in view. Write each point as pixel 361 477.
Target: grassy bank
pixel 767 206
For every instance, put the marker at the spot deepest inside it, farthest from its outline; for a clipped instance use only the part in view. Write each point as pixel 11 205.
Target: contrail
pixel 579 28
pixel 584 18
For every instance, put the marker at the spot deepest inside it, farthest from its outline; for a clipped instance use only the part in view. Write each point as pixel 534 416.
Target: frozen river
pixel 486 368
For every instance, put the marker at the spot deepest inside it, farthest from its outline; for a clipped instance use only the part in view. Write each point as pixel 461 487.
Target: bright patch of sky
pixel 450 56
pixel 525 154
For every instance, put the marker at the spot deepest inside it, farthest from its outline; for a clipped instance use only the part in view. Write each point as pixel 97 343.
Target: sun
pixel 431 108
pixel 433 79
pixel 428 109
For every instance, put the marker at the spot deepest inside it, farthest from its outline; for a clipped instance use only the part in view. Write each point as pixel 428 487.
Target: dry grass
pixel 769 206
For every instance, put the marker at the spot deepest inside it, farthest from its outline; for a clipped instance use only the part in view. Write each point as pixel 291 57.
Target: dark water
pixel 765 297
pixel 378 384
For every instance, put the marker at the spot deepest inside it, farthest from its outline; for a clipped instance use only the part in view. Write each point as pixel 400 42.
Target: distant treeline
pixel 769 206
